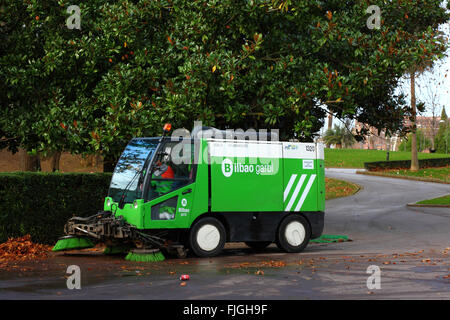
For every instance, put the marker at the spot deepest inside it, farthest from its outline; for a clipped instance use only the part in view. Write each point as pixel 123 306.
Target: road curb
pixel 428 205
pixel 378 174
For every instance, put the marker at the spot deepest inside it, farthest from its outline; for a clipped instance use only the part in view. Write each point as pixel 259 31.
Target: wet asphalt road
pixel 410 245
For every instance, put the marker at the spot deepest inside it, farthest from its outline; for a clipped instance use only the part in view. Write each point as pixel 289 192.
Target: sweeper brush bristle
pixel 145 256
pixel 72 243
pixel 328 238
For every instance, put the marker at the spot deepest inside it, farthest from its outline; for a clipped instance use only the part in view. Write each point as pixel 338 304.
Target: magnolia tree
pixel 86 77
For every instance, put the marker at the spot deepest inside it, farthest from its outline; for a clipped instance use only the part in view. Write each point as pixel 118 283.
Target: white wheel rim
pixel 295 233
pixel 208 237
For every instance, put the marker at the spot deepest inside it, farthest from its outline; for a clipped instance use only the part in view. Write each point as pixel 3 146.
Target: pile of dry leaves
pixel 23 249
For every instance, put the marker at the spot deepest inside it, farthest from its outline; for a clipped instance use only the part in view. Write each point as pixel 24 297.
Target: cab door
pixel 171 193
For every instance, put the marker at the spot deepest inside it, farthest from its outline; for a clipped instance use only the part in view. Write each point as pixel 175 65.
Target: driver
pixel 162 187
pixel 168 174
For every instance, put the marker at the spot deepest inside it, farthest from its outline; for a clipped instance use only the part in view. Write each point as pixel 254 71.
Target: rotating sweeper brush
pixel 118 235
pixel 72 243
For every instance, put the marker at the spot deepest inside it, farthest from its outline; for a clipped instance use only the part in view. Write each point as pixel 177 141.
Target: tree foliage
pixel 136 64
pixel 339 136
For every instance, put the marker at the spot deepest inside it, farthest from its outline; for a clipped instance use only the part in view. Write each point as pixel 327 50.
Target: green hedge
pixel 405 164
pixel 39 204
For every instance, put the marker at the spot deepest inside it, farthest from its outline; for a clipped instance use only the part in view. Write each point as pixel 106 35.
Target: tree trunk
pixel 55 161
pixel 414 158
pixel 330 122
pixel 330 127
pixel 388 147
pixel 433 130
pixel 29 162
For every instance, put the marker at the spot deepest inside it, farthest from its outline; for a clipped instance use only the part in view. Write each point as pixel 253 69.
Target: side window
pixel 182 159
pixel 165 210
pixel 173 168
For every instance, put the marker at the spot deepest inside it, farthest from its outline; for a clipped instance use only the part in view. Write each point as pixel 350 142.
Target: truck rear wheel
pixel 207 237
pixel 294 233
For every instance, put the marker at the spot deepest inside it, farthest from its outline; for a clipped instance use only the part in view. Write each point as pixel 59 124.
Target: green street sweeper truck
pixel 198 192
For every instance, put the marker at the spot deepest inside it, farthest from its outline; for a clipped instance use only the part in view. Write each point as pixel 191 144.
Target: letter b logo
pixel 227 167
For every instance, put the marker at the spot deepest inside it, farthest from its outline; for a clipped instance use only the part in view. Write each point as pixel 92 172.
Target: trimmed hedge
pixel 40 204
pixel 405 164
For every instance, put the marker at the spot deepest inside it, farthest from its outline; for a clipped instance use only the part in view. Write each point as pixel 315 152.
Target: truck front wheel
pixel 293 234
pixel 207 237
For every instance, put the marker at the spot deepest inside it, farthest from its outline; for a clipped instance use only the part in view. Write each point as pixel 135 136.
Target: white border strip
pixel 297 189
pixel 297 150
pixel 305 192
pixel 245 150
pixel 289 186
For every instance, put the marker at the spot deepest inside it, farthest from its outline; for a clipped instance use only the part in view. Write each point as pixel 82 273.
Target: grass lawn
pixel 442 174
pixel 335 188
pixel 440 200
pixel 355 158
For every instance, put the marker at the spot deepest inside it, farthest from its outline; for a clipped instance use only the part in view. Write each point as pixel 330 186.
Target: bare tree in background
pixel 414 156
pixel 430 87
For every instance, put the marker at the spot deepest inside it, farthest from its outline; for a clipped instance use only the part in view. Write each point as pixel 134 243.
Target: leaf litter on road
pixel 22 248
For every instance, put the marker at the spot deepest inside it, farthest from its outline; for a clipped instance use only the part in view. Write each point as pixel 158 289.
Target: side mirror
pixel 160 170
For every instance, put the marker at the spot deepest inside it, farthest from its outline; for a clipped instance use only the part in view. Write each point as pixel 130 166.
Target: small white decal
pixel 308 164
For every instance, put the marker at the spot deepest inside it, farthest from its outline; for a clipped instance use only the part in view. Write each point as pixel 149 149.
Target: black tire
pixel 202 248
pixel 295 243
pixel 258 245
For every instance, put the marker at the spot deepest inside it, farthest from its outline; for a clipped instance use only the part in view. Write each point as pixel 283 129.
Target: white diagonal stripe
pixel 296 190
pixel 305 192
pixel 289 186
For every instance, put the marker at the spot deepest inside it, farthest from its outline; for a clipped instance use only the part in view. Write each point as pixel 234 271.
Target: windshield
pixel 131 167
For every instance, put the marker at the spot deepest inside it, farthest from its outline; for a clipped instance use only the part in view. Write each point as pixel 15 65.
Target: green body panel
pixel 181 217
pixel 266 177
pixel 254 184
pixel 301 185
pixel 129 212
pixel 280 181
